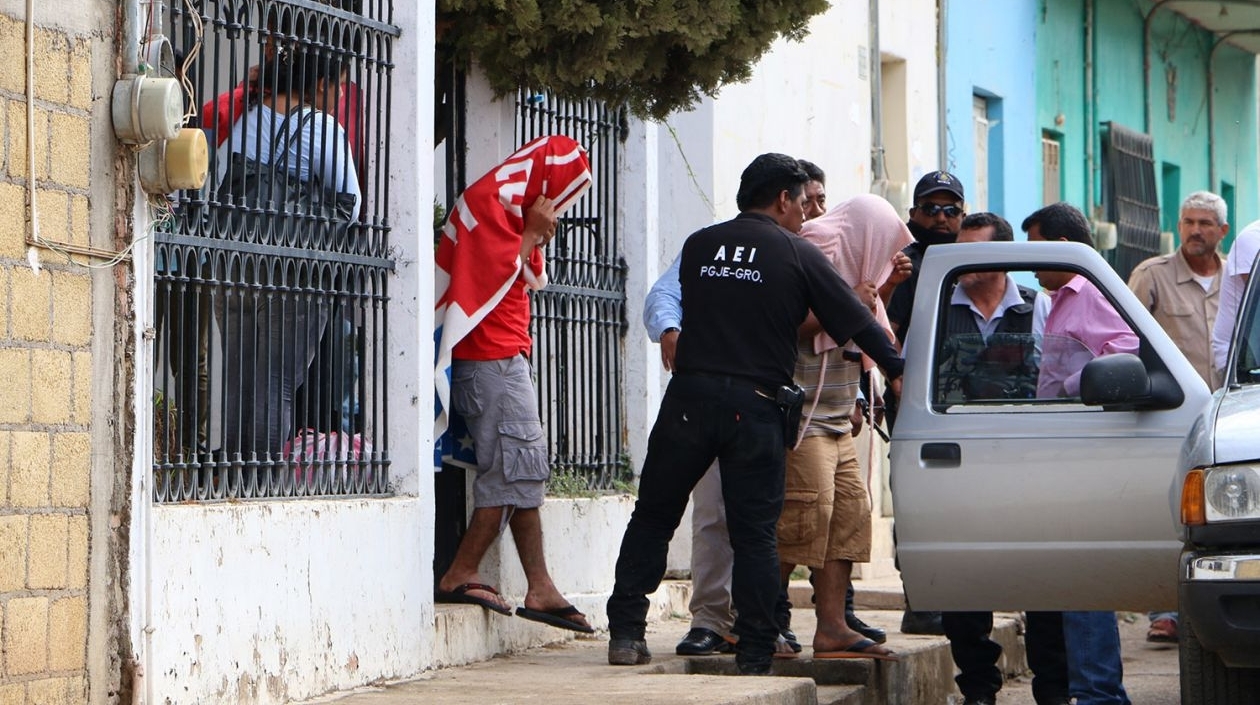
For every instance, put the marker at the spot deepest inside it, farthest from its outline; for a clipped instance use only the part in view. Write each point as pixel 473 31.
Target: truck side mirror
pixel 1117 381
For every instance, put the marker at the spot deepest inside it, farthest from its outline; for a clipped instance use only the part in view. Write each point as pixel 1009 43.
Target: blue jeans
pixel 703 418
pixel 1095 674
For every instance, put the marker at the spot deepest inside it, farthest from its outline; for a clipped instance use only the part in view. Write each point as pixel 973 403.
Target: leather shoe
pixel 922 623
pixel 703 642
pixel 628 652
pixel 875 634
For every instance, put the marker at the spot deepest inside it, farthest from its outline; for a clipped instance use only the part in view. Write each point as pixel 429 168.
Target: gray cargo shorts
pixel 497 400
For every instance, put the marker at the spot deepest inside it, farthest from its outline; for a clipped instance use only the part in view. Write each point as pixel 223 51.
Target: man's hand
pixel 540 221
pixel 867 294
pixel 669 344
pixel 856 416
pixel 902 269
pixel 894 386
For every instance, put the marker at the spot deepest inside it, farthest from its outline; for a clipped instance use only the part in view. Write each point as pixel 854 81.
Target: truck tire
pixel 1206 680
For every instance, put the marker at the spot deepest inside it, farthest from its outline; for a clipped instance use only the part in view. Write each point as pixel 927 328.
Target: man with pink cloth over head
pixel 826 519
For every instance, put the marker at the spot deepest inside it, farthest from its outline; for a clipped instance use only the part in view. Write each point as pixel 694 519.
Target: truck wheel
pixel 1205 680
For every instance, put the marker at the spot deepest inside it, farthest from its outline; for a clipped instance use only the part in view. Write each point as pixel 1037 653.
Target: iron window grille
pixel 271 311
pixel 579 321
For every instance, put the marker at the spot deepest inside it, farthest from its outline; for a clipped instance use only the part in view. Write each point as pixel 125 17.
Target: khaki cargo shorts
pixel 826 512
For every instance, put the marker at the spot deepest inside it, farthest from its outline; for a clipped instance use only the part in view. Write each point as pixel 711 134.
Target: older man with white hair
pixel 1182 291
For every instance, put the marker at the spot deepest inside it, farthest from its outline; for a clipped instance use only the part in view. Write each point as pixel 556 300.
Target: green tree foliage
pixel 653 56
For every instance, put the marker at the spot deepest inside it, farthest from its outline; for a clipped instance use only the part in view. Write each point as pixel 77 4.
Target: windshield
pixel 1247 368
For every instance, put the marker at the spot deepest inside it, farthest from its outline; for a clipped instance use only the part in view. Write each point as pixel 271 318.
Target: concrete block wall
pixel 46 326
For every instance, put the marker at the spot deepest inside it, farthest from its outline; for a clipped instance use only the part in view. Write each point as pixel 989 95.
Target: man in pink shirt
pixel 1082 325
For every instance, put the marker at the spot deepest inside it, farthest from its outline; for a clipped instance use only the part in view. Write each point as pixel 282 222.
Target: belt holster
pixel 791 399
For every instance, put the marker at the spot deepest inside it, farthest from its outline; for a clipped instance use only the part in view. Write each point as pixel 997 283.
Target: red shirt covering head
pixel 480 247
pixel 482 309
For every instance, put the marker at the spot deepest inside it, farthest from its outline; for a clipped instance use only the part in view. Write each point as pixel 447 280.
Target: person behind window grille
pixel 276 310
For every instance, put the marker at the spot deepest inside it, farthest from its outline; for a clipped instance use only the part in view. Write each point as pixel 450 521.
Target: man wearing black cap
pixel 935 218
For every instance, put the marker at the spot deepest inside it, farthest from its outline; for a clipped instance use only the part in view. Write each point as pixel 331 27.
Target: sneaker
pixel 628 652
pixel 1162 631
pixel 787 636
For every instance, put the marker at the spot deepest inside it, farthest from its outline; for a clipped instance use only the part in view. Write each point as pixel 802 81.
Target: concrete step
pixel 571 671
pixel 876 594
pixel 841 695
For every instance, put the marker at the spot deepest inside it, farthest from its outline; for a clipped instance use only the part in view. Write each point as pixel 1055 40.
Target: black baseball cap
pixel 938 181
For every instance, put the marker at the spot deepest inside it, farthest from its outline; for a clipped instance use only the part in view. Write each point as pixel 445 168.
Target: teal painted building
pixel 1193 94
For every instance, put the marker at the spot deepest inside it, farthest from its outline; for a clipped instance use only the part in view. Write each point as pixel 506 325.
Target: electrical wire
pixel 189 57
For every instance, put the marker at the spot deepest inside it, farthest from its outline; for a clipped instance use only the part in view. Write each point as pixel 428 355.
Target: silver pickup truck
pixel 1217 504
pixel 1007 500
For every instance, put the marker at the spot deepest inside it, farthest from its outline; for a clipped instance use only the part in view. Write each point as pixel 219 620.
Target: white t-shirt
pixel 329 157
pixel 1241 256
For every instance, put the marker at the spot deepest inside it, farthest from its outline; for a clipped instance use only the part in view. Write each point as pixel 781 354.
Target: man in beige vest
pixel 1182 291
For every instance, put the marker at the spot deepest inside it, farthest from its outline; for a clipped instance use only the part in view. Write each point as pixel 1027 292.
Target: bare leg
pixel 833 632
pixel 541 593
pixel 483 530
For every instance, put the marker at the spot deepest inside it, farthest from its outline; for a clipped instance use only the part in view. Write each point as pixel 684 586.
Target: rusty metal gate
pixel 1130 197
pixel 579 320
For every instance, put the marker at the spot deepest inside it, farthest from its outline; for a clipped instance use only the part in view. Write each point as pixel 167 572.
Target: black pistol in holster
pixel 791 399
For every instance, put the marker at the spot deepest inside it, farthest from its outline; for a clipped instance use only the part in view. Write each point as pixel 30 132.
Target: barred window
pixel 271 280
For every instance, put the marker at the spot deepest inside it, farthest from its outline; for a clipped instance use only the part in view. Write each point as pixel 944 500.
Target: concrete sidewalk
pixel 576 671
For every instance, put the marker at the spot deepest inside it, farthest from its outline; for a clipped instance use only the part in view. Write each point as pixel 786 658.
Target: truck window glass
pixel 997 344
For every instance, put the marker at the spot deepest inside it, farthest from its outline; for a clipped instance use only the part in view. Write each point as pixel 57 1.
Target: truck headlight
pixel 1232 492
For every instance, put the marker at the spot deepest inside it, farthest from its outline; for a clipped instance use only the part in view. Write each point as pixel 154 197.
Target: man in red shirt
pixel 490 382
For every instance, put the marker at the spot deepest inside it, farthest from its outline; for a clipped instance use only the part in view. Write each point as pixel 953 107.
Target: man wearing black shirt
pixel 935 219
pixel 747 285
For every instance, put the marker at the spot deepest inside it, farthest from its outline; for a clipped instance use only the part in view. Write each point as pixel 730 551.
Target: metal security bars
pixel 1132 202
pixel 579 320
pixel 271 281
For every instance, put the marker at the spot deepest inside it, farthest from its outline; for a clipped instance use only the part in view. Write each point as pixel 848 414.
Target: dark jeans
pixel 703 418
pixel 976 655
pixel 183 333
pixel 269 340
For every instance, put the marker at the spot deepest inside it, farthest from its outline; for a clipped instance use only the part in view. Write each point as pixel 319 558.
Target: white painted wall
pixel 272 601
pixel 265 602
pixel 908 32
pixel 810 99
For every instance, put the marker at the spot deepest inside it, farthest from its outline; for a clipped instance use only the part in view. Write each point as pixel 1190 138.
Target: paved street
pixel 1150 670
pixel 572 672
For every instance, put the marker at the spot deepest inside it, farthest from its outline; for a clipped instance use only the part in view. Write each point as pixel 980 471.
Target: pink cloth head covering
pixel 860 237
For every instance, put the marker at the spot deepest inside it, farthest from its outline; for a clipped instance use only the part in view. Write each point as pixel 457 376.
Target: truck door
pixel 1008 498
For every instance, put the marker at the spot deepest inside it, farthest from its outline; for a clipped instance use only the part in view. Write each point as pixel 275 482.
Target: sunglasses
pixel 931 209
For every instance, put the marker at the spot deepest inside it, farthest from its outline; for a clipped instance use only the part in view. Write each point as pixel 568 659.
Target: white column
pixel 638 213
pixel 409 363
